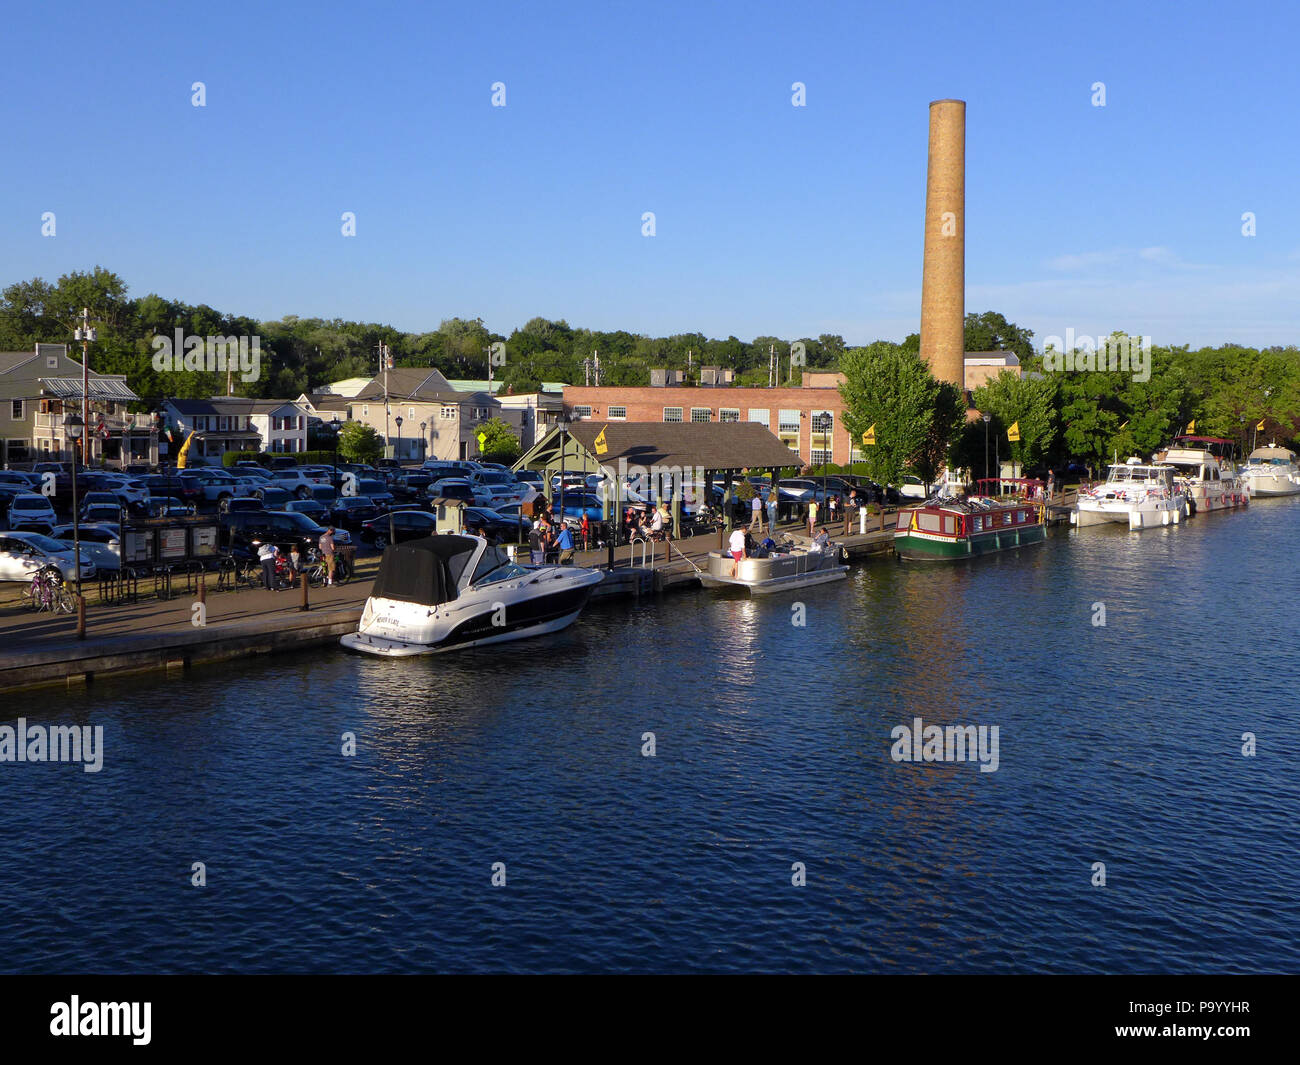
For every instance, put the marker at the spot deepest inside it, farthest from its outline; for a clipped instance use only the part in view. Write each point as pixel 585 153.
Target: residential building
pixel 235 423
pixel 39 389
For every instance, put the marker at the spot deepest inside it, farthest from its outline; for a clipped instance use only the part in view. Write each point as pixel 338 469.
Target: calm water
pixel 1119 744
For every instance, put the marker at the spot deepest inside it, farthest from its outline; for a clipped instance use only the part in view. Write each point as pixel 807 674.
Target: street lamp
pixel 423 439
pixel 986 418
pixel 334 424
pixel 73 426
pixel 398 453
pixel 564 428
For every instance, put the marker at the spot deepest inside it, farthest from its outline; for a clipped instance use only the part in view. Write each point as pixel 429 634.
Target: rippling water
pixel 1118 744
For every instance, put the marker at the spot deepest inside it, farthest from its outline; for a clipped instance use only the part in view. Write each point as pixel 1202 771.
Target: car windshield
pixel 43 543
pixel 496 478
pixel 495 565
pixel 357 502
pixel 301 521
pixel 31 502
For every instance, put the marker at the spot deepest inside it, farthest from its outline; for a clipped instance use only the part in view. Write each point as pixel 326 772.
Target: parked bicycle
pixel 317 573
pixel 48 592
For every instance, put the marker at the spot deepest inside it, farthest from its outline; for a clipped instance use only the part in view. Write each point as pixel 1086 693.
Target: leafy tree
pixel 949 419
pixel 990 331
pixel 893 390
pixel 1029 401
pixel 359 443
pixel 500 443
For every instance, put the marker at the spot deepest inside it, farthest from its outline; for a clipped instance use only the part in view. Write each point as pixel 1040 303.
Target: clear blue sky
pixel 771 219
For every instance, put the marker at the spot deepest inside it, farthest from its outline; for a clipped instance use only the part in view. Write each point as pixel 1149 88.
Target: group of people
pixel 648 521
pixel 550 540
pixel 271 559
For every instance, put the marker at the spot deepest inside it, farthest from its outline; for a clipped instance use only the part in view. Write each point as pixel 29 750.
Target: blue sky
pixel 770 219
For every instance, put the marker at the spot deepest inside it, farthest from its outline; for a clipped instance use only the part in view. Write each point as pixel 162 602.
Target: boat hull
pixel 1273 485
pixel 924 547
pixel 1149 515
pixel 393 648
pixel 781 572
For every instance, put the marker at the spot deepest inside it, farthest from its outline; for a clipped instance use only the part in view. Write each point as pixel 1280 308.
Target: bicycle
pixel 48 592
pixel 317 573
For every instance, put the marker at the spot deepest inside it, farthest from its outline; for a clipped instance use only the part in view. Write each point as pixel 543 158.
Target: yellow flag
pixel 1125 425
pixel 869 437
pixel 1260 427
pixel 1191 426
pixel 1013 434
pixel 601 445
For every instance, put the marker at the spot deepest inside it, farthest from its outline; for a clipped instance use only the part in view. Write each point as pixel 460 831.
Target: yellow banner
pixel 1191 426
pixel 601 445
pixel 1013 434
pixel 869 437
pixel 1260 427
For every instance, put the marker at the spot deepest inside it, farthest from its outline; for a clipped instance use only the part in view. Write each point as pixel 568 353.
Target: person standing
pixel 564 542
pixel 537 543
pixel 737 545
pixel 266 556
pixel 756 515
pixel 327 552
pixel 812 515
pixel 772 496
pixel 586 532
pixel 295 565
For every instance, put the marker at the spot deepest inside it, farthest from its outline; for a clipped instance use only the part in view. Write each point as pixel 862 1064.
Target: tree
pixel 949 418
pixel 359 443
pixel 1029 401
pixel 500 443
pixel 893 390
pixel 990 331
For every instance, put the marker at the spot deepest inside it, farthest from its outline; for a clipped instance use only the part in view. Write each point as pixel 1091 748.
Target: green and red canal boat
pixel 976 524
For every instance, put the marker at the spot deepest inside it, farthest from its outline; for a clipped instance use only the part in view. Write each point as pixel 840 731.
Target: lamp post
pixel 423 439
pixel 398 453
pixel 334 424
pixel 73 426
pixel 564 429
pixel 986 418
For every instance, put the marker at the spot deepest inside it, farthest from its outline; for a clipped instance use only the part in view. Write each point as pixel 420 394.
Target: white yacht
pixel 450 591
pixel 1206 474
pixel 1137 494
pixel 1271 471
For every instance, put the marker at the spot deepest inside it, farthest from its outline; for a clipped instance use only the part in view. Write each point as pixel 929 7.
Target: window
pixel 449 411
pixel 365 410
pixel 224 424
pixel 410 413
pixel 482 412
pixel 820 456
pixel 701 414
pixel 762 417
pixel 857 455
pixel 672 414
pixel 582 412
pixel 788 421
pixel 823 421
pixel 928 522
pixel 728 414
pixel 618 413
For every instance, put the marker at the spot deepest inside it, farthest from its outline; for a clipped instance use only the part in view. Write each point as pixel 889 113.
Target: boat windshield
pixel 496 565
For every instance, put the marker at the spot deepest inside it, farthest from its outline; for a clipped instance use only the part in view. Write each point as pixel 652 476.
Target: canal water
pixel 772 723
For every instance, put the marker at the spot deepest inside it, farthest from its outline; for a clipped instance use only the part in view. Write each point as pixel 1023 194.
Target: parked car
pixel 400 525
pixel 239 530
pixel 576 504
pixel 512 512
pixel 29 482
pixel 270 494
pixel 168 507
pixel 100 543
pixel 28 510
pixel 108 513
pixel 313 508
pixel 236 504
pixel 128 490
pixel 297 483
pixel 453 488
pixel 186 489
pixel 531 477
pixel 410 484
pixel 377 491
pixel 493 523
pixel 99 499
pixel 22 554
pixel 510 490
pixel 350 512
pixel 283 462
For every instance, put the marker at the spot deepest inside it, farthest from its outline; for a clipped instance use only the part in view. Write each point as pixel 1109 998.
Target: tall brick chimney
pixel 943 279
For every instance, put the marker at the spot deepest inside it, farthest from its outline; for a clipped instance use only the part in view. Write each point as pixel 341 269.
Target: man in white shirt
pixel 266 555
pixel 737 543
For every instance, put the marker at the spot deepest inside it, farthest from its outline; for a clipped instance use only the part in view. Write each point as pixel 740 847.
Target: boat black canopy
pixel 425 570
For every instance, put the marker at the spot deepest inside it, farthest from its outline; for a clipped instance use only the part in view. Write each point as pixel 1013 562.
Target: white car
pixel 128 490
pixel 99 543
pixel 23 553
pixel 30 511
pixel 297 482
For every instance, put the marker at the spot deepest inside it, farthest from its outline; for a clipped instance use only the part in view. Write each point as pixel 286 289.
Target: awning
pixel 112 389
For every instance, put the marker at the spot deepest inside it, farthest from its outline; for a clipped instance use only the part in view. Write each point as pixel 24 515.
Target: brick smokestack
pixel 943 280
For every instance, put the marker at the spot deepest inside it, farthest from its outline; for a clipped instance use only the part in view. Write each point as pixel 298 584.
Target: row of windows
pixel 221 423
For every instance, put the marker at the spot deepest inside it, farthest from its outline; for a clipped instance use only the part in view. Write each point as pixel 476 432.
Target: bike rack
pixel 162 581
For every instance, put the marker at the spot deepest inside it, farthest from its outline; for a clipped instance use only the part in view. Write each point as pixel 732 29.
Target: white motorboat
pixel 451 591
pixel 1207 476
pixel 781 570
pixel 1271 471
pixel 1137 494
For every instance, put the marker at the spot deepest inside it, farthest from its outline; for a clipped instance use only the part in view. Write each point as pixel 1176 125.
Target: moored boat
pixel 1137 494
pixel 780 571
pixel 1204 470
pixel 454 590
pixel 1271 471
pixel 943 528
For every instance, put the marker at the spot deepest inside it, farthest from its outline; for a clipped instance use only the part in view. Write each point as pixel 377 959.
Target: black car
pixel 351 512
pixel 411 485
pixel 186 489
pixel 490 523
pixel 239 530
pixel 399 525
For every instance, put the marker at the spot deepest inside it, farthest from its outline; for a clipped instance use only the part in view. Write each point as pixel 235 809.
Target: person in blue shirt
pixel 565 543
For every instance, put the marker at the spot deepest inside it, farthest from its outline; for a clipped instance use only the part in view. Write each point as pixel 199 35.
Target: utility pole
pixel 596 358
pixel 85 334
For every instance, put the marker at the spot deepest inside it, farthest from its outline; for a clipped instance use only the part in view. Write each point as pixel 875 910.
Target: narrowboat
pixel 977 524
